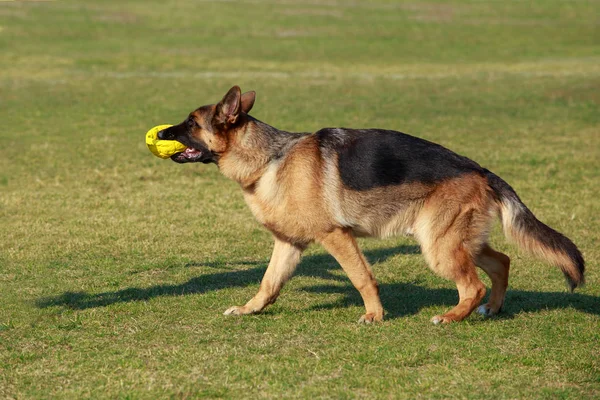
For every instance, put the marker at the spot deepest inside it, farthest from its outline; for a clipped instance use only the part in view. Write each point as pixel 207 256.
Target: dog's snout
pixel 163 135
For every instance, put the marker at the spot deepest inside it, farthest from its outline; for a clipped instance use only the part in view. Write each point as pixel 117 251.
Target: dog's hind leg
pixel 470 290
pixel 284 260
pixel 456 264
pixel 451 228
pixel 496 265
pixel 452 260
pixel 342 245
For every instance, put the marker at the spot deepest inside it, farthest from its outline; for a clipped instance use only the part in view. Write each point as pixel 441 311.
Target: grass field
pixel 115 266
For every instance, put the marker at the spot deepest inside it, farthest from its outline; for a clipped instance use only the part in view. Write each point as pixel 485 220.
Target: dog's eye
pixel 191 122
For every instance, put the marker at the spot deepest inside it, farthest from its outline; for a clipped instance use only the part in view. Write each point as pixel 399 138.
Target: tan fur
pixel 283 262
pixel 297 193
pixel 342 245
pixel 380 212
pixel 283 191
pixel 452 228
pixel 496 265
pixel 300 199
pixel 239 160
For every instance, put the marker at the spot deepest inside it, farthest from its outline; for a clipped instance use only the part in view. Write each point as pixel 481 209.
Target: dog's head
pixel 207 131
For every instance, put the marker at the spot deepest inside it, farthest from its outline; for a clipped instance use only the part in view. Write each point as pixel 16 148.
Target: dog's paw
pixel 486 310
pixel 441 319
pixel 369 318
pixel 237 310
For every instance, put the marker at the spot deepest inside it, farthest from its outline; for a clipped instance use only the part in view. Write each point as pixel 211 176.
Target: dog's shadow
pixel 399 299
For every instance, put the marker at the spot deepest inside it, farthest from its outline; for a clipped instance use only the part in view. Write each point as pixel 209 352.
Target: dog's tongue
pixel 190 152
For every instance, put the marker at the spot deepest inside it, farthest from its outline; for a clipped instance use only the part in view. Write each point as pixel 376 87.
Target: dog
pixel 337 184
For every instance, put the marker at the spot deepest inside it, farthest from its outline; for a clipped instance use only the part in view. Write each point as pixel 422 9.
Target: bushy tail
pixel 534 236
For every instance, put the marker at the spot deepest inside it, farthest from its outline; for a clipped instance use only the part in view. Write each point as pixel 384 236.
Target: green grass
pixel 115 266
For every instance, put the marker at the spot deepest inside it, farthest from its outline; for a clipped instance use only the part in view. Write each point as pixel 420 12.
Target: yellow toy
pixel 162 148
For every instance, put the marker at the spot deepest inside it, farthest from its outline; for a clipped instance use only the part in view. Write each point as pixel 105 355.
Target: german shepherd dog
pixel 336 184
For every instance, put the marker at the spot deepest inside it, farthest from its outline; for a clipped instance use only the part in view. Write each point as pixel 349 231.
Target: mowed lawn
pixel 116 266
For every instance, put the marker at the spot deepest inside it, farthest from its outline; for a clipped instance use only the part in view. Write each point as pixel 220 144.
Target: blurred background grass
pixel 115 266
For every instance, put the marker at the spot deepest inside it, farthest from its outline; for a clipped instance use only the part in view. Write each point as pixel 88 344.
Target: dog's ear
pixel 248 101
pixel 228 109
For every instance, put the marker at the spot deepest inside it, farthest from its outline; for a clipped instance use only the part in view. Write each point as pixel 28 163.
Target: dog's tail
pixel 534 236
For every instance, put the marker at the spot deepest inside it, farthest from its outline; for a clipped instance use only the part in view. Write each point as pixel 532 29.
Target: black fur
pixel 370 158
pixel 181 133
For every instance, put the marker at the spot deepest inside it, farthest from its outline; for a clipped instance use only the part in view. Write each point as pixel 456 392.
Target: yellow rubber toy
pixel 162 148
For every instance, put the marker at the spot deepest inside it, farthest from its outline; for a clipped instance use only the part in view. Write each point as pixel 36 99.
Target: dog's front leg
pixel 284 260
pixel 343 247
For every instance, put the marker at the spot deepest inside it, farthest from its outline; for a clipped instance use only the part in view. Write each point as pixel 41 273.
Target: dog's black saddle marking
pixel 370 158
